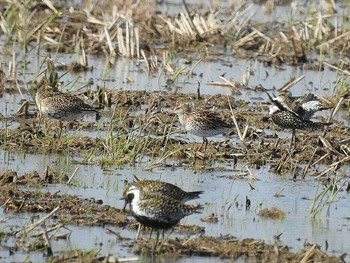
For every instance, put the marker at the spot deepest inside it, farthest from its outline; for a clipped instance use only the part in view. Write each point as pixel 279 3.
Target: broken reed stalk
pixel 321 158
pixel 72 176
pixel 250 174
pixel 337 68
pixel 332 166
pixel 241 138
pixel 127 45
pixel 336 109
pixel 333 113
pixel 121 45
pixel 309 163
pixel 187 13
pixel 328 145
pixel 109 40
pixel 48 230
pixel 290 84
pixel 145 60
pixel 39 222
pixel 47 242
pixel 308 254
pixel 137 39
pixel 50 6
pixel 234 84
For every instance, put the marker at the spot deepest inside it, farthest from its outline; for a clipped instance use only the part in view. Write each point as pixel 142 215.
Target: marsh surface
pixel 139 134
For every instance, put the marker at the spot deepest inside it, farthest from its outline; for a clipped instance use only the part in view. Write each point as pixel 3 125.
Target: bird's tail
pixel 314 126
pixel 193 209
pixel 194 194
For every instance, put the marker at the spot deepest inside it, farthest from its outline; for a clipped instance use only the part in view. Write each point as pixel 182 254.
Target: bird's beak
pixel 125 204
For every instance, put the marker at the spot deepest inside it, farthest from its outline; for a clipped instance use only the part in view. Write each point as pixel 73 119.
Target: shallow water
pixel 319 82
pixel 222 190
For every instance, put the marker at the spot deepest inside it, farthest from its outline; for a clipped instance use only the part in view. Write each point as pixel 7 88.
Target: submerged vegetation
pixel 138 127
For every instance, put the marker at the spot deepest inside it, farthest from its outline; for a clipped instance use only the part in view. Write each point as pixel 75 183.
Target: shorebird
pixel 201 123
pixel 162 188
pixel 295 112
pixel 157 187
pixel 304 106
pixel 58 105
pixel 157 211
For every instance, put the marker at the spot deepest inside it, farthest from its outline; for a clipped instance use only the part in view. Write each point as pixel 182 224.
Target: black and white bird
pixel 296 112
pixel 162 188
pixel 157 211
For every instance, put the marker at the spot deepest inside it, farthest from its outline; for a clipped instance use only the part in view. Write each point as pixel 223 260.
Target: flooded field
pixel 263 200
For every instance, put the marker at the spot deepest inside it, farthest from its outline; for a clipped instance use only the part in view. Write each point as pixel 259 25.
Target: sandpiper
pixel 156 210
pixel 59 105
pixel 201 123
pixel 295 113
pixel 56 104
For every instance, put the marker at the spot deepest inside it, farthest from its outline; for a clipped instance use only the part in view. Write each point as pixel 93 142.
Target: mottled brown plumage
pixel 59 105
pixel 156 210
pixel 201 123
pixel 161 188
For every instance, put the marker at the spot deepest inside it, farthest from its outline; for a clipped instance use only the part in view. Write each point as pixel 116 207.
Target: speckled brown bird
pixel 158 188
pixel 56 104
pixel 162 188
pixel 201 123
pixel 156 210
pixel 59 105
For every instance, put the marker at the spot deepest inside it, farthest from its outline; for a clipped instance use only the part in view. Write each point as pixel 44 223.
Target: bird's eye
pixel 130 196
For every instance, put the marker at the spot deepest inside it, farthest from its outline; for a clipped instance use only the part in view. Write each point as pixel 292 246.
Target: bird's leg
pixel 206 143
pixel 150 234
pixel 42 122
pixel 138 232
pixel 200 147
pixel 45 126
pixel 60 127
pixel 292 141
pixel 156 243
pixel 163 234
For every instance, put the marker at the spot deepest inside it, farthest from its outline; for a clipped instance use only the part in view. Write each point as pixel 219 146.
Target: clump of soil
pixel 273 213
pixel 228 247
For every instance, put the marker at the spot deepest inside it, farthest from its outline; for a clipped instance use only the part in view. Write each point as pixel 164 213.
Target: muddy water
pixel 207 72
